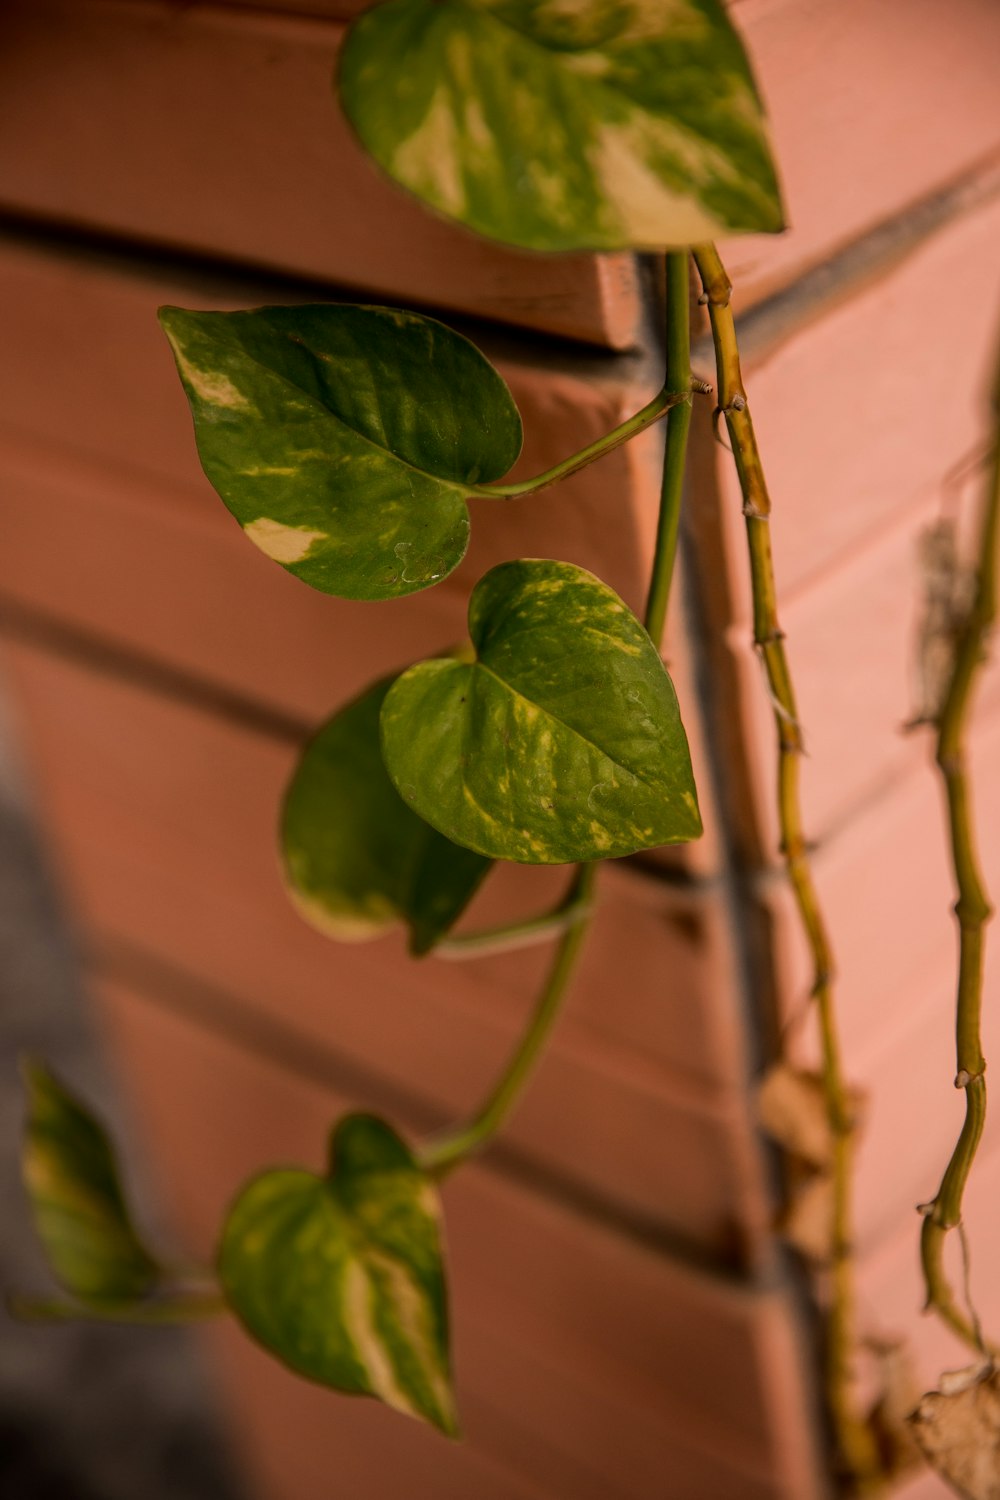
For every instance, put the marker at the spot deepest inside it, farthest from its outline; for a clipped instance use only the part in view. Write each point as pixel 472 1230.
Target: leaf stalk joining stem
pixel 664 401
pixel 513 935
pixel 855 1443
pixel 443 1155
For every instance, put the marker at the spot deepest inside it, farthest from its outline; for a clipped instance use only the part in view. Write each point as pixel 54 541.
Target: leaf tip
pixel 447 1422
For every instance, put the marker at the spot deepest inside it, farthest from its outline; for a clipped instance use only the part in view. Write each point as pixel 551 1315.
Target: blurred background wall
pixel 626 1324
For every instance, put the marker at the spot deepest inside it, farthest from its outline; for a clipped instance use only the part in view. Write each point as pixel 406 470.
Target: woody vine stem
pixel 854 1440
pixel 972 911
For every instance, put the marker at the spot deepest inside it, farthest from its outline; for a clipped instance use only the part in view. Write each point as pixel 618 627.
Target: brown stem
pixel 855 1443
pixel 972 911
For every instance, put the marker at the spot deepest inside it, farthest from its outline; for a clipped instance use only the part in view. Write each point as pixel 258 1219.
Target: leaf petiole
pixel 510 936
pixel 163 1311
pixel 661 403
pixel 443 1154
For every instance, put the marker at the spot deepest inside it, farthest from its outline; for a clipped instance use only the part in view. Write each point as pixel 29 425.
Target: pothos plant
pixel 353 445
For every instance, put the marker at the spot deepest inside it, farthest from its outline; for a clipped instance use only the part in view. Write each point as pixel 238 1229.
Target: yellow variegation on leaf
pixel 596 125
pixel 561 740
pixel 341 1276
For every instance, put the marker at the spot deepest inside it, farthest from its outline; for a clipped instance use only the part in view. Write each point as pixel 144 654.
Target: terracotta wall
pixel 626 1326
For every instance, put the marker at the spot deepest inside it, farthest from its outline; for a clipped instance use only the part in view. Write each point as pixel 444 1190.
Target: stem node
pixel 854 1439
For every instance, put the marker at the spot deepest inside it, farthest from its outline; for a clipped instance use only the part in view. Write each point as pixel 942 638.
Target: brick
pixel 626 1344
pixel 88 368
pixel 894 108
pixel 259 165
pixel 164 820
pixel 874 104
pixel 886 886
pixel 852 642
pixel 855 424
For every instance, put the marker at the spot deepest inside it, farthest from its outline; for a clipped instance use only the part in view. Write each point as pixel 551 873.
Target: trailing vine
pixel 353 444
pixel 857 1452
pixel 970 628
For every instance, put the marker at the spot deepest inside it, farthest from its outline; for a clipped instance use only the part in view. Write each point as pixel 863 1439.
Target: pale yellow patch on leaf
pixel 210 386
pixel 649 211
pixel 360 1325
pixel 414 1321
pixel 285 544
pixel 348 925
pixel 427 161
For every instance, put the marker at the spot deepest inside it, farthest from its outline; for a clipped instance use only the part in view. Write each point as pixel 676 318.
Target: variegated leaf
pixel 341 1276
pixel 77 1200
pixel 561 740
pixel 593 125
pixel 357 860
pixel 345 439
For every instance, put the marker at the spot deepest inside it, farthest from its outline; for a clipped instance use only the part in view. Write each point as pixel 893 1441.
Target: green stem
pixel 650 413
pixel 972 911
pixel 443 1155
pixel 855 1442
pixel 167 1311
pixel 512 935
pixel 676 385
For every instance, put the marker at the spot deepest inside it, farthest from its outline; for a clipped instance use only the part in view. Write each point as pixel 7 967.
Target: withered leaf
pixel 792 1111
pixel 807 1223
pixel 958 1431
pixel 898 1391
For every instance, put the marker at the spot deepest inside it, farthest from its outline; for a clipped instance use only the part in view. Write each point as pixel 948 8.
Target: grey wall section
pixel 87 1412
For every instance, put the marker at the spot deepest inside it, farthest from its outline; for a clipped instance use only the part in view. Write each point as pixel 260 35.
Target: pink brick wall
pixel 625 1326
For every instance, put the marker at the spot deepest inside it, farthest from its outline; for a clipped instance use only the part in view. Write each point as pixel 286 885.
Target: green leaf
pixel 356 859
pixel 341 1276
pixel 77 1200
pixel 345 439
pixel 594 125
pixel 561 741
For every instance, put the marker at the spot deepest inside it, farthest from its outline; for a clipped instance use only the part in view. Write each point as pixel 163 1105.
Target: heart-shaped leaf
pixel 357 859
pixel 341 1276
pixel 77 1200
pixel 561 741
pixel 595 125
pixel 345 439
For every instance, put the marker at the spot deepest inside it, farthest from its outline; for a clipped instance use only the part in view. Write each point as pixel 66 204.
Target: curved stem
pixel 650 413
pixel 167 1311
pixel 855 1442
pixel 972 910
pixel 441 1156
pixel 447 1152
pixel 512 935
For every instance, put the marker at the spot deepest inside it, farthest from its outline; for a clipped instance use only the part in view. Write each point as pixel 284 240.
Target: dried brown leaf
pixel 958 1431
pixel 792 1110
pixel 807 1223
pixel 898 1393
